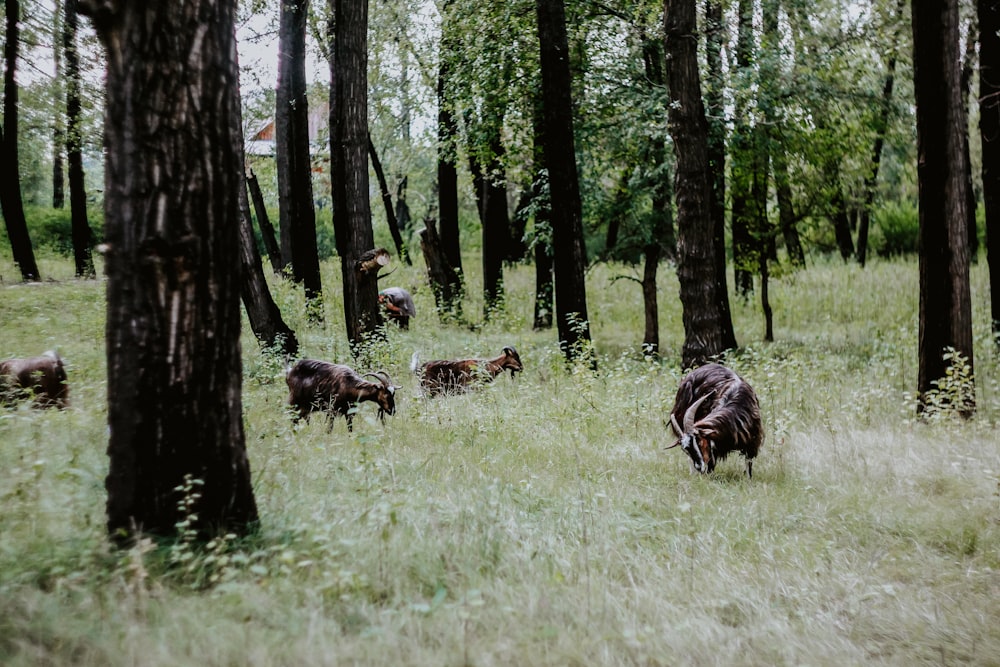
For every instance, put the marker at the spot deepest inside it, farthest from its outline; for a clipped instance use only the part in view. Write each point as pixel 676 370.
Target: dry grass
pixel 537 522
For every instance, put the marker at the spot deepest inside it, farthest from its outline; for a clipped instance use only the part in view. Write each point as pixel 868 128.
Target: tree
pixel 705 323
pixel 58 131
pixel 10 177
pixel 566 213
pixel 349 158
pixel 945 300
pixel 989 129
pixel 172 177
pixel 447 174
pixel 81 234
pixel 294 166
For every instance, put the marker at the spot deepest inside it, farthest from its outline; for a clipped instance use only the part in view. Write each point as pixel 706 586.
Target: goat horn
pixel 675 425
pixel 378 376
pixel 690 412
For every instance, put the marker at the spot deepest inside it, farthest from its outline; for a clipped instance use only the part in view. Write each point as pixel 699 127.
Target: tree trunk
pixel 390 214
pixel 58 128
pixel 965 84
pixel 881 124
pixel 264 222
pixel 294 165
pixel 443 279
pixel 839 214
pixel 263 313
pixel 10 177
pixel 490 183
pixel 349 159
pixel 945 301
pixel 447 129
pixel 572 321
pixel 741 152
pixel 178 460
pixel 705 324
pixel 786 207
pixel 714 99
pixel 82 237
pixel 542 223
pixel 989 129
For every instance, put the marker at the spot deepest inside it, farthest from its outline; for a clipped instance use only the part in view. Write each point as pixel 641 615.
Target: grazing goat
pixel 42 377
pixel 451 377
pixel 719 414
pixel 336 390
pixel 398 305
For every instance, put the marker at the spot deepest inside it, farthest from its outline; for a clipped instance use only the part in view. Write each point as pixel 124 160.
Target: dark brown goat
pixel 452 377
pixel 336 390
pixel 719 414
pixel 43 378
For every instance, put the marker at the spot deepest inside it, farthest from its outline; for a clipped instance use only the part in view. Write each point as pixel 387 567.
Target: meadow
pixel 539 521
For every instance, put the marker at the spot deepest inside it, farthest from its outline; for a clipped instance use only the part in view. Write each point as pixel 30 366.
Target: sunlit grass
pixel 539 520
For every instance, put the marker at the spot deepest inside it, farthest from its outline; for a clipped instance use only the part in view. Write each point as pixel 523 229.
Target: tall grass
pixel 538 521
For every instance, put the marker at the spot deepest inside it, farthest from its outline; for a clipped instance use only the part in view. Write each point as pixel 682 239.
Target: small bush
pixel 52 228
pixel 897 229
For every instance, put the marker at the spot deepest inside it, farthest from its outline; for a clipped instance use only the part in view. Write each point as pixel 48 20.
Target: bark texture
pixel 172 180
pixel 989 129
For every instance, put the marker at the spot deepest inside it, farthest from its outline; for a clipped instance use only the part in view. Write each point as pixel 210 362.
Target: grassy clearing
pixel 537 522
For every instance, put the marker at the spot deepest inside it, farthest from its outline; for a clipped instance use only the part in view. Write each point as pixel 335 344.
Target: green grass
pixel 539 521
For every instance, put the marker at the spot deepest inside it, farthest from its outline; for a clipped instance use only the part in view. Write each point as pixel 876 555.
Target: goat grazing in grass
pixel 452 377
pixel 336 390
pixel 42 378
pixel 719 414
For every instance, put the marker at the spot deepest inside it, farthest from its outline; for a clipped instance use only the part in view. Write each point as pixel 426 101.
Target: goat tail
pixel 414 362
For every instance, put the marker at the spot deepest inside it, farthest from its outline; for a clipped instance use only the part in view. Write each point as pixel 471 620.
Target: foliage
pixel 52 228
pixel 897 229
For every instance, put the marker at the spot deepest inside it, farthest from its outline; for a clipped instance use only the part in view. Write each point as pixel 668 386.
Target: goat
pixel 398 305
pixel 451 377
pixel 43 378
pixel 719 414
pixel 336 389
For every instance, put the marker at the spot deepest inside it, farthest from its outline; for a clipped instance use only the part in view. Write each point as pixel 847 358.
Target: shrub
pixel 897 227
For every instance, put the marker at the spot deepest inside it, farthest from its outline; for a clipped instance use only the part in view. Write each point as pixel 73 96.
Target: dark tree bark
pixel 881 124
pixel 447 129
pixel 714 43
pixel 572 321
pixel 349 159
pixel 294 165
pixel 989 129
pixel 82 237
pixel 490 182
pixel 787 218
pixel 542 223
pixel 10 176
pixel 965 85
pixel 742 158
pixel 264 221
pixel 705 323
pixel 838 213
pixel 58 127
pixel 390 214
pixel 444 281
pixel 172 182
pixel 945 301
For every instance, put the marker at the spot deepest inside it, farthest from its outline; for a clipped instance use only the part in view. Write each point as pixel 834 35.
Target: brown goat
pixel 451 377
pixel 719 414
pixel 336 390
pixel 42 378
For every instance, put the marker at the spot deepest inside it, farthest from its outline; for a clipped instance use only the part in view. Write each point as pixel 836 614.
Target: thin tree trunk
pixel 704 325
pixel 542 223
pixel 491 197
pixel 178 460
pixel 570 255
pixel 882 123
pixel 786 207
pixel 264 222
pixel 945 298
pixel 82 236
pixel 349 158
pixel 390 214
pixel 965 83
pixel 989 128
pixel 10 177
pixel 58 128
